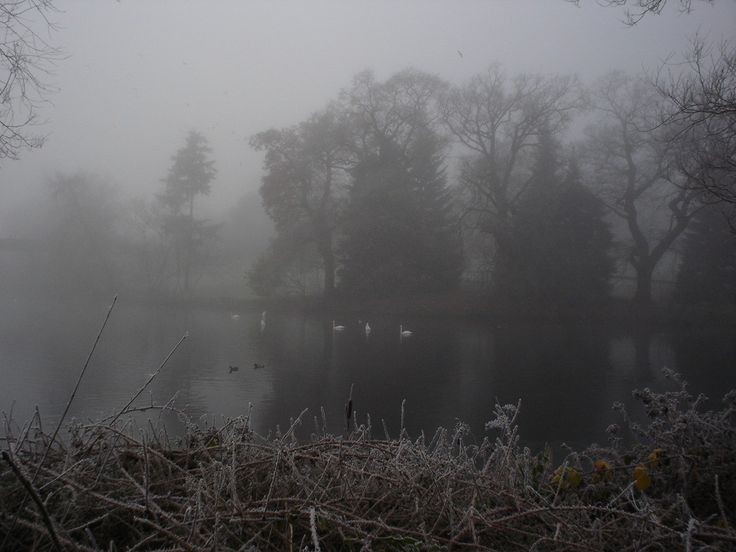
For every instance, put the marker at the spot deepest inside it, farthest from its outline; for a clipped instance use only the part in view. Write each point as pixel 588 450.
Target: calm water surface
pixel 566 376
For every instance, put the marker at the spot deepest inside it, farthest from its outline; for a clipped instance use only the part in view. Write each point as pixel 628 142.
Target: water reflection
pixel 566 376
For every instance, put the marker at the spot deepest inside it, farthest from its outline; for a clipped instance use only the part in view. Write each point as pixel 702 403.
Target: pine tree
pixel 401 235
pixel 560 239
pixel 190 175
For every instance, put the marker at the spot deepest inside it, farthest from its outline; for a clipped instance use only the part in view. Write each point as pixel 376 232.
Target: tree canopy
pixel 303 189
pixel 561 241
pixel 189 176
pixel 400 233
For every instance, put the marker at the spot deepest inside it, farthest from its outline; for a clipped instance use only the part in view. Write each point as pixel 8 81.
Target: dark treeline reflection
pixel 566 376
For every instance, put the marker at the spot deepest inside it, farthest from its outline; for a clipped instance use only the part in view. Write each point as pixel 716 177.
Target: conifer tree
pixel 401 235
pixel 190 175
pixel 561 240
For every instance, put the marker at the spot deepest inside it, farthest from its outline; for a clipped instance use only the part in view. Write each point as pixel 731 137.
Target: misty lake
pixel 566 376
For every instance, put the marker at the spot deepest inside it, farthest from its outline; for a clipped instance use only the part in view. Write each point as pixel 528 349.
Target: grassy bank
pixel 108 487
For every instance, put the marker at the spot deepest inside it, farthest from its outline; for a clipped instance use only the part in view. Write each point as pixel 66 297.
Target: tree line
pixel 416 185
pixel 82 236
pixel 412 184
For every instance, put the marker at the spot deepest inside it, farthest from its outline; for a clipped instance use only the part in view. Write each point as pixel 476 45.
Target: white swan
pixel 404 333
pixel 235 317
pixel 368 329
pixel 337 328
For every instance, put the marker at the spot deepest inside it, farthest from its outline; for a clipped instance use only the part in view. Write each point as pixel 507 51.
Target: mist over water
pixel 567 376
pixel 209 162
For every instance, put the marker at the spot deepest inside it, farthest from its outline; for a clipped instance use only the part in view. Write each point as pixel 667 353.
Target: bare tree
pixel 25 59
pixel 642 8
pixel 391 112
pixel 82 233
pixel 702 107
pixel 633 163
pixel 499 121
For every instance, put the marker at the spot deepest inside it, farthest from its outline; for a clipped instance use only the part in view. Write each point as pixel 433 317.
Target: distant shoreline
pixel 615 312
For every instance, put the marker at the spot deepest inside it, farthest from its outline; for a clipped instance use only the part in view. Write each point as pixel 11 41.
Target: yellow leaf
pixel 642 480
pixel 570 477
pixel 574 477
pixel 654 457
pixel 603 470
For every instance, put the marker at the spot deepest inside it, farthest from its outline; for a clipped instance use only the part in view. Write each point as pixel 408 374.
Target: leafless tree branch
pixel 26 58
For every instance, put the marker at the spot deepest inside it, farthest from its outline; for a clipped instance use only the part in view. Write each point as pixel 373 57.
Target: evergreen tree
pixel 560 239
pixel 190 175
pixel 708 270
pixel 400 231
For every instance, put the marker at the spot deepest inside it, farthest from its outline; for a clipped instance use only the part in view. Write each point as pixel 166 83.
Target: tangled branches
pixel 228 488
pixel 25 59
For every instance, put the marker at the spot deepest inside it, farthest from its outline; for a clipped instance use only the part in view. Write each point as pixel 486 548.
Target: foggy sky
pixel 138 75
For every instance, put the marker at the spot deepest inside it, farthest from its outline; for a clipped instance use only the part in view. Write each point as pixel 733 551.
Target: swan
pixel 263 325
pixel 404 333
pixel 235 317
pixel 337 328
pixel 367 329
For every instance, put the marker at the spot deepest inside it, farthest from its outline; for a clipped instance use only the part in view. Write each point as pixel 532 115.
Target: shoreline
pixel 228 488
pixel 616 313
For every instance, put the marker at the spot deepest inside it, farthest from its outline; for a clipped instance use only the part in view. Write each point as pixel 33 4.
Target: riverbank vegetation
pixel 667 485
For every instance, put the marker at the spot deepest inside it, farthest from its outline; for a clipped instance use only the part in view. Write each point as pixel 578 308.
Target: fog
pixel 231 227
pixel 380 161
pixel 136 76
pixel 132 79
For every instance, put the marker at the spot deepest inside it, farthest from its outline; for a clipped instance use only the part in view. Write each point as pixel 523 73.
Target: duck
pixel 257 366
pixel 232 369
pixel 337 328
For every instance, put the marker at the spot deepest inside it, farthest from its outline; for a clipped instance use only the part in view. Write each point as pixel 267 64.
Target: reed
pixel 110 486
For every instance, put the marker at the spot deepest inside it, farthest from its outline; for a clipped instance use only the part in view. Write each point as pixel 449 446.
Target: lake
pixel 566 376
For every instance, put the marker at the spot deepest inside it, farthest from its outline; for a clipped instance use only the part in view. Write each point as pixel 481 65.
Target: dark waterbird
pixel 232 368
pixel 257 366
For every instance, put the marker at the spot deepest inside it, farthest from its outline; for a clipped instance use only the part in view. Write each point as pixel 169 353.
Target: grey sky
pixel 140 74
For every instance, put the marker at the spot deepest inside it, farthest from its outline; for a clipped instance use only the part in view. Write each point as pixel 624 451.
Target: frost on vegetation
pixel 669 484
